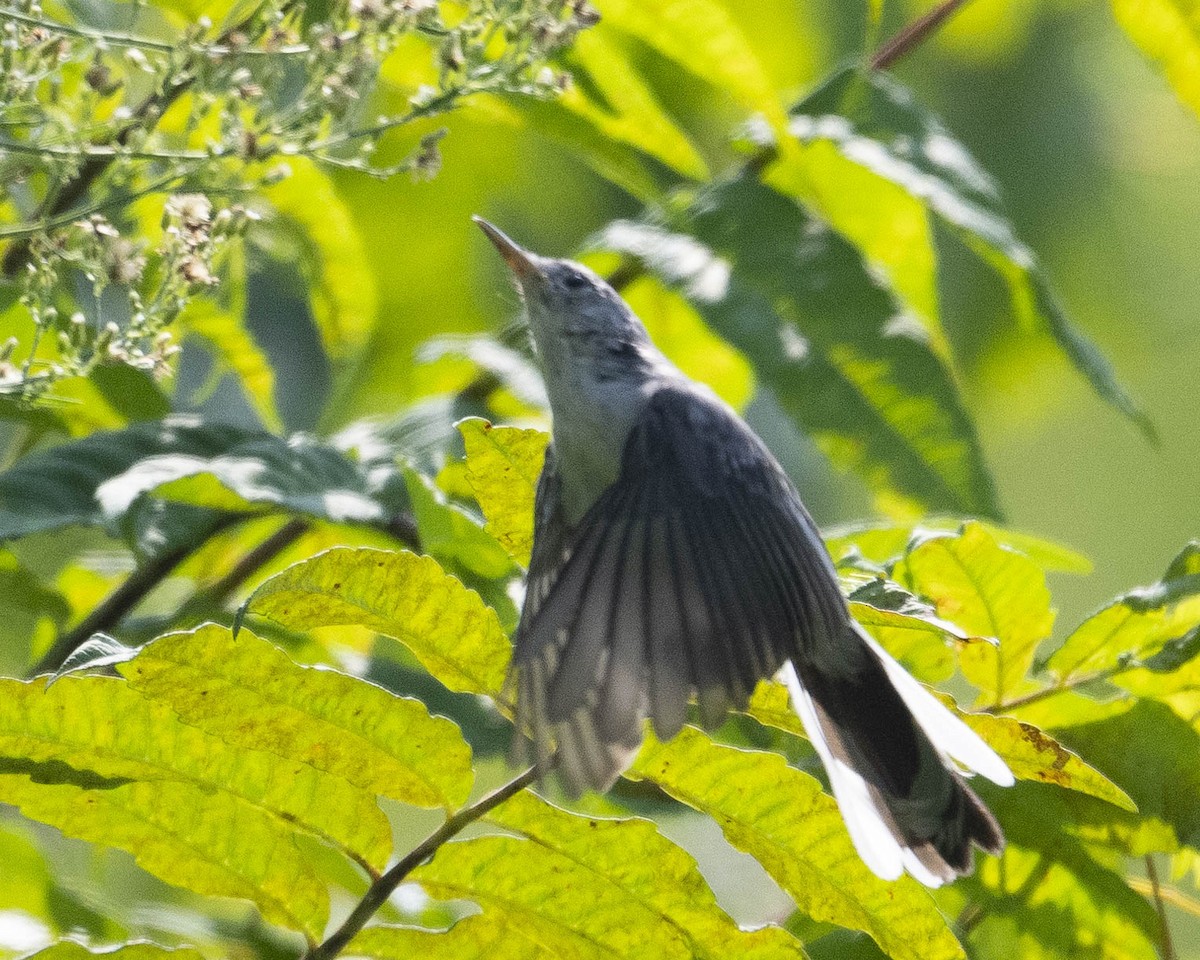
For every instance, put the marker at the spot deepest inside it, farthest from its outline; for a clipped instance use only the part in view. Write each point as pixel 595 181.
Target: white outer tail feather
pixel 953 739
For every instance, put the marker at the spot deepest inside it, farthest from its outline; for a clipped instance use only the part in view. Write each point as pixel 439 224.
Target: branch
pixel 914 34
pixel 116 605
pixel 379 891
pixel 1166 946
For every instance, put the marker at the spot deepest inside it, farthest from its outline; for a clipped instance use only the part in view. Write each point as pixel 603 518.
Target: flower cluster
pixel 92 123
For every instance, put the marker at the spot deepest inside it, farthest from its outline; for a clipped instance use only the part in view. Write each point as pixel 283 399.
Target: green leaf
pixel 829 341
pixel 450 534
pixel 249 693
pixel 885 543
pixel 25 881
pixel 1034 755
pixel 1154 756
pixel 138 950
pixel 98 730
pixel 344 300
pixel 211 843
pixel 989 591
pixel 782 818
pixel 503 466
pixel 481 936
pixel 1135 626
pixel 235 348
pixel 259 472
pixel 878 126
pixel 633 857
pixel 701 36
pixel 448 628
pixel 620 105
pixel 57 488
pixel 1168 32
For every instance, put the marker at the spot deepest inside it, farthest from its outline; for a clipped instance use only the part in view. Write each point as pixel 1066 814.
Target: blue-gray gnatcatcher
pixel 672 556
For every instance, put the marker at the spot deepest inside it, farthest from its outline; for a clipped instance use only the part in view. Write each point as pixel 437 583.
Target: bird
pixel 673 558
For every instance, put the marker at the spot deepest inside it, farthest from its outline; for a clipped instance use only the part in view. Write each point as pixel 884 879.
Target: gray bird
pixel 673 557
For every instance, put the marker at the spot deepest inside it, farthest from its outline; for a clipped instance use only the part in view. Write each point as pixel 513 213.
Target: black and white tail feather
pixel 699 571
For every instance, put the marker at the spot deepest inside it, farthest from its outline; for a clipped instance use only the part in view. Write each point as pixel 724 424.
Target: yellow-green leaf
pixel 138 950
pixel 234 347
pixel 702 37
pixel 1034 755
pixel 481 936
pixel 633 856
pixel 1168 32
pixel 783 818
pixel 1136 625
pixel 249 693
pixel 503 466
pixel 209 842
pixel 448 628
pixel 101 728
pixel 989 591
pixel 344 299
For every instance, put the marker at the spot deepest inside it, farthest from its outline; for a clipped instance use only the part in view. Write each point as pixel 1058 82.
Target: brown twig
pixel 379 891
pixel 1166 944
pixel 914 34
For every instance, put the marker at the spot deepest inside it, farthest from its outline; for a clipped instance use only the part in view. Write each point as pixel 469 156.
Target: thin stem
pixel 1047 692
pixel 101 150
pixel 1166 944
pixel 113 609
pixel 379 891
pixel 914 34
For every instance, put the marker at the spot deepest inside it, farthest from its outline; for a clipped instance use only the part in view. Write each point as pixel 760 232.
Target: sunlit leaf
pixel 989 591
pixel 701 37
pixel 878 125
pixel 632 856
pixel 503 466
pixel 783 818
pixel 250 694
pixel 447 627
pixel 1135 626
pixel 344 300
pixel 885 543
pixel 141 950
pixel 449 533
pixel 1168 32
pixel 481 936
pixel 25 881
pixel 98 731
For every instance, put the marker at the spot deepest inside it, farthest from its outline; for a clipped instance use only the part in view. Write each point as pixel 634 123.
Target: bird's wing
pixel 698 570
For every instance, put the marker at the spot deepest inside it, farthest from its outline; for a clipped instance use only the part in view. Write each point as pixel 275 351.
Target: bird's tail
pixel 890 749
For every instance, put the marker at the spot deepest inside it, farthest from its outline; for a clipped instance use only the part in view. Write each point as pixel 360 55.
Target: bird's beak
pixel 519 260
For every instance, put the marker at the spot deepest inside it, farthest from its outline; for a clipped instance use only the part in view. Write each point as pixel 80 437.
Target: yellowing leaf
pixel 503 466
pixel 783 818
pixel 448 628
pixel 1168 32
pixel 98 728
pixel 481 936
pixel 1034 755
pixel 249 693
pixel 634 857
pixel 989 591
pixel 210 843
pixel 344 296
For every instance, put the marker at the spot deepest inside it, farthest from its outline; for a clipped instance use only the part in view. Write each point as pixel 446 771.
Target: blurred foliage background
pixel 1096 158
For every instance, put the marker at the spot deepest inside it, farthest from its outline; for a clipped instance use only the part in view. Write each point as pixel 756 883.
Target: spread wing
pixel 699 570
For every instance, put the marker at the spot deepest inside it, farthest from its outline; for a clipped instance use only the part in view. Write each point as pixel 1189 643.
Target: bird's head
pixel 572 311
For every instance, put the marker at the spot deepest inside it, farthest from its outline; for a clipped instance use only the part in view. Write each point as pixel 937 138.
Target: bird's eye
pixel 574 281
